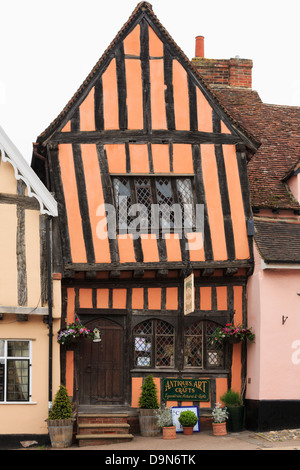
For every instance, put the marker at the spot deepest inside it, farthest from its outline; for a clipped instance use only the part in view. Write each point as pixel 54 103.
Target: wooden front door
pixel 101 371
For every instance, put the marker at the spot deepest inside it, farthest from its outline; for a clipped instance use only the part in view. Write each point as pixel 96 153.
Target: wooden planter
pixel 148 423
pixel 169 432
pixel 60 432
pixel 219 429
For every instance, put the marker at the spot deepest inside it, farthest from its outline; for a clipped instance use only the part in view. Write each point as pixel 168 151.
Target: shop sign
pixel 189 294
pixel 186 389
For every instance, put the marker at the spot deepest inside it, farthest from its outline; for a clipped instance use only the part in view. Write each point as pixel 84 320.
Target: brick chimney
pixel 223 72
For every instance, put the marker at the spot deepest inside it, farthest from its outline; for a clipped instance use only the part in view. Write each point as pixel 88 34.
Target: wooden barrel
pixel 148 423
pixel 60 432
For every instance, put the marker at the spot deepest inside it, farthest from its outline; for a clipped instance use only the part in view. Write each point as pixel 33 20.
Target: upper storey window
pixel 154 204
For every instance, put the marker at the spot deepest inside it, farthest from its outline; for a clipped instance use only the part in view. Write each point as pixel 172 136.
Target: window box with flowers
pixel 233 334
pixel 73 333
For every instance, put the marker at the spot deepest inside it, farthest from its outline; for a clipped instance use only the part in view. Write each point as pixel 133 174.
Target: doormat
pixel 282 435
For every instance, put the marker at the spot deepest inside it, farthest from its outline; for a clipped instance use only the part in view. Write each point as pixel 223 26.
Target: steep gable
pixel 144 125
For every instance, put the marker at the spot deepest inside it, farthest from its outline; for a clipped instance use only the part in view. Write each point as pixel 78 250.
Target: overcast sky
pixel 47 48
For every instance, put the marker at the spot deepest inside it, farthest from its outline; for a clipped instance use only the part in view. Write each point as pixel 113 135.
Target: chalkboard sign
pixel 186 389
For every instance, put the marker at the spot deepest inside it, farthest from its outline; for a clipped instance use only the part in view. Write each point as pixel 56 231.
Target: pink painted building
pixel 273 363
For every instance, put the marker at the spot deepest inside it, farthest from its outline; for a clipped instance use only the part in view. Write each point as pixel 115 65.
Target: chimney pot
pixel 199 49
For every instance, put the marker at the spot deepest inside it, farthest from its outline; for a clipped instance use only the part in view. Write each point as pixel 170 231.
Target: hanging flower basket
pixel 74 333
pixel 233 334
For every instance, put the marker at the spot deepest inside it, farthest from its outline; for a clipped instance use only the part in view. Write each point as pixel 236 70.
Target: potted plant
pixel 73 332
pixel 233 402
pixel 219 415
pixel 188 420
pixel 148 403
pixel 233 334
pixel 60 420
pixel 165 421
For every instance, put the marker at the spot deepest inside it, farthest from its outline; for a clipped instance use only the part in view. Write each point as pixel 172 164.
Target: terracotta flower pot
pixel 219 429
pixel 169 432
pixel 188 430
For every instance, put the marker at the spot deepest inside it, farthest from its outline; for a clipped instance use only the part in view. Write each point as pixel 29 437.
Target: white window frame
pixel 4 359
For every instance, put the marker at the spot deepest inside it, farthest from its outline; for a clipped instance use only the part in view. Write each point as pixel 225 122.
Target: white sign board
pixel 176 410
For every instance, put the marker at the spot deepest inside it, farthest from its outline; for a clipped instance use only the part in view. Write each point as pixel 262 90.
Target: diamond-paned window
pixel 154 344
pixel 200 349
pixel 159 203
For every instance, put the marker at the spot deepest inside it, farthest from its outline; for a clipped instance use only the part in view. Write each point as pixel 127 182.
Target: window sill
pixel 18 403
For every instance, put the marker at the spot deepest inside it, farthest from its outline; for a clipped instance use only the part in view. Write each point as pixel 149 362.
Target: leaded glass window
pixel 200 349
pixel 154 344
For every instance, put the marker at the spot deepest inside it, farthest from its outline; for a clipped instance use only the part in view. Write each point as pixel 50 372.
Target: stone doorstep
pixel 104 428
pixel 99 439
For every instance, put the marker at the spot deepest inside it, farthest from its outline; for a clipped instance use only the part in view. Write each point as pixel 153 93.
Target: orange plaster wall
pixel 110 97
pixel 196 246
pixel 171 298
pixel 66 162
pixel 139 161
pixel 221 387
pixel 87 112
pixel 157 90
pixel 135 115
pixel 70 372
pixel 182 159
pixel 213 199
pixel 116 158
pixel 132 42
pixel 102 298
pixel 137 298
pixel 149 247
pixel 181 97
pixel 221 297
pixel 154 298
pixel 173 247
pixel 137 383
pixel 126 249
pixel 119 298
pixel 160 158
pixel 236 382
pixel 204 113
pixel 70 305
pixel 236 203
pixel 95 200
pixel 85 298
pixel 205 298
pixel 156 47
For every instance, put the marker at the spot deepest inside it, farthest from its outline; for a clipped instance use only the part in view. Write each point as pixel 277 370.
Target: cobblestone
pixel 282 435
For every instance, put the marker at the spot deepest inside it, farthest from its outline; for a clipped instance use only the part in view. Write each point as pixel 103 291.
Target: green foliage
pixel 164 417
pixel 187 419
pixel 62 406
pixel 231 398
pixel 219 414
pixel 148 398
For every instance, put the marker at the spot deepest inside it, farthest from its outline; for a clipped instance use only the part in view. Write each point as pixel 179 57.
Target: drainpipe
pixel 50 304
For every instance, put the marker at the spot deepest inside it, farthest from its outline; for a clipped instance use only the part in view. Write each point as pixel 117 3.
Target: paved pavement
pixel 202 441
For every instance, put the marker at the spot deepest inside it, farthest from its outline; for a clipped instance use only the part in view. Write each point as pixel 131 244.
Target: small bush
pixel 148 398
pixel 231 398
pixel 62 406
pixel 188 419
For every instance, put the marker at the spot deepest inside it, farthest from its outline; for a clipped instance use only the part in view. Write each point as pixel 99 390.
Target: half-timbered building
pixel 145 130
pixel 29 359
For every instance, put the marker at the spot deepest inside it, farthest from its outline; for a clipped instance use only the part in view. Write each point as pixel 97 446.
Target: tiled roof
pixel 277 240
pixel 278 130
